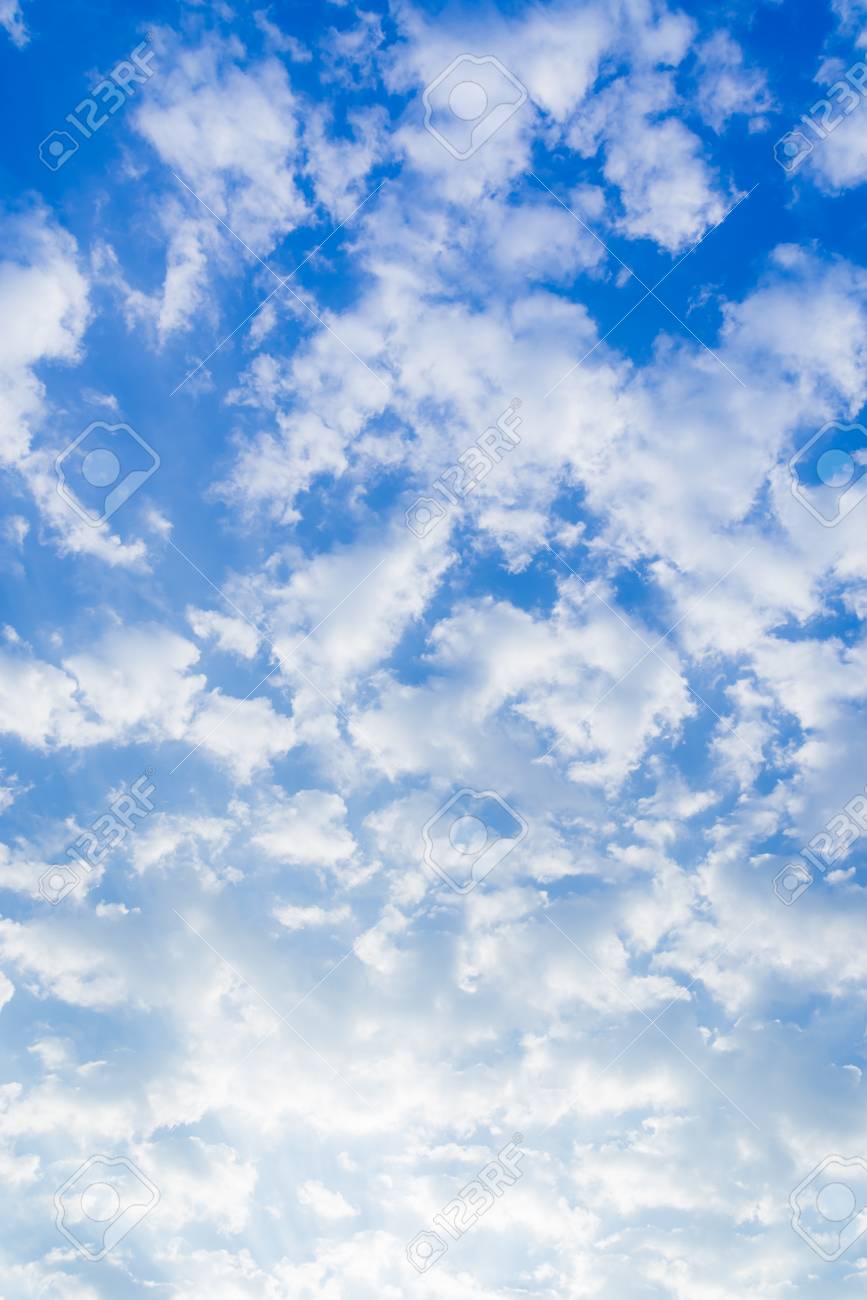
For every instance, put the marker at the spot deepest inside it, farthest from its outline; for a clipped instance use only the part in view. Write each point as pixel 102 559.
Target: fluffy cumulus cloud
pixel 136 682
pixel 45 294
pixel 432 664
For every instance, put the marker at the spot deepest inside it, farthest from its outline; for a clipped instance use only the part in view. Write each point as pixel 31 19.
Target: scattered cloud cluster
pixel 477 761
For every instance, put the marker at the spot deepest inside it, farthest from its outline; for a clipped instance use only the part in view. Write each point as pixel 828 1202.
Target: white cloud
pixel 667 189
pixel 200 1183
pixel 559 674
pixel 244 734
pixel 168 840
pixel 850 13
pixel 136 678
pixel 37 703
pixel 319 614
pixel 231 634
pixel 12 19
pixel 324 1202
pixel 727 86
pixel 274 468
pixel 307 829
pixel 22 868
pixel 53 1052
pixel 44 301
pixel 135 683
pixel 38 1280
pixel 666 186
pixel 10 789
pixel 231 134
pixel 66 964
pixel 303 918
pixel 839 162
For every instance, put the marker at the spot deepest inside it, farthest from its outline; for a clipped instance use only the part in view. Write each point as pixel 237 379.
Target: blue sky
pixel 452 735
